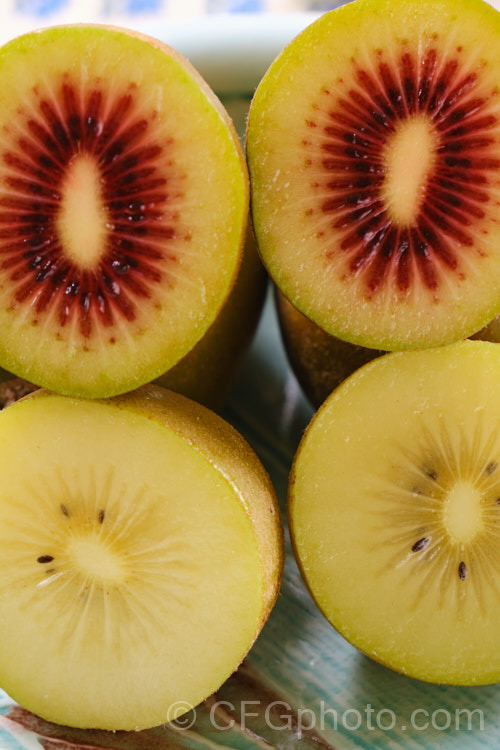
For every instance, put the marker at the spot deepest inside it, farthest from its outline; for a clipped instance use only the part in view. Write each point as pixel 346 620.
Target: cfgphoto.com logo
pixel 280 716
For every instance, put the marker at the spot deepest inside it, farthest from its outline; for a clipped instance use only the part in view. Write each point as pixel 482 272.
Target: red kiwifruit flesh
pixel 374 153
pixel 123 205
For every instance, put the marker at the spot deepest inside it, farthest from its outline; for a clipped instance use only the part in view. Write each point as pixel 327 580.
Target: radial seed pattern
pixel 94 559
pixel 137 200
pixel 456 548
pixel 355 130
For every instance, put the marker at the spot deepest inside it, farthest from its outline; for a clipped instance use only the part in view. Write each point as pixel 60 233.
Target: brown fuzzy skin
pixel 13 389
pixel 319 361
pixel 208 371
pixel 226 450
pixel 491 332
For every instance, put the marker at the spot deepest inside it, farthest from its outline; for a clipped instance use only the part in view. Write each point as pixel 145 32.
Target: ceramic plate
pixel 302 686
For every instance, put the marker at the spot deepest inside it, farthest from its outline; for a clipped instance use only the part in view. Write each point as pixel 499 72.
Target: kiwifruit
pixel 208 371
pixel 394 506
pixel 319 361
pixel 373 143
pixel 123 208
pixel 490 332
pixel 12 389
pixel 140 555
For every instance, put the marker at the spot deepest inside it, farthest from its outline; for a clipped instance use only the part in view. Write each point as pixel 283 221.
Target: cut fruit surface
pixel 394 508
pixel 374 150
pixel 123 208
pixel 207 373
pixel 139 556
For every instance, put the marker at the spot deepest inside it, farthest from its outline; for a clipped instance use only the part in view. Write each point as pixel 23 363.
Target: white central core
pixel 408 159
pixel 82 219
pixel 93 558
pixel 463 516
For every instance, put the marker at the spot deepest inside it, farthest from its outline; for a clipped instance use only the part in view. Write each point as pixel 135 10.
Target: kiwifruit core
pixel 394 511
pixel 463 513
pixel 409 155
pixel 122 208
pixel 96 561
pixel 375 172
pixel 444 494
pixel 82 219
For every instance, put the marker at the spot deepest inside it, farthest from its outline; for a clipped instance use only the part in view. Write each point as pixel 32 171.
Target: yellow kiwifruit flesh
pixel 394 509
pixel 138 561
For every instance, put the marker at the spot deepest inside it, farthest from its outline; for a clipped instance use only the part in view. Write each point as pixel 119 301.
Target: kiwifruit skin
pixel 319 361
pixel 100 384
pixel 491 332
pixel 236 461
pixel 374 656
pixel 208 371
pixel 269 95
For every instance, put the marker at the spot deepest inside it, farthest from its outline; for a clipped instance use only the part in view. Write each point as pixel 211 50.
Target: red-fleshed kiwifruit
pixel 373 144
pixel 123 208
pixel 208 371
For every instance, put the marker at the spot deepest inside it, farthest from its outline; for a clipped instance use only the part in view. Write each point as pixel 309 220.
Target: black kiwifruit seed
pixel 420 544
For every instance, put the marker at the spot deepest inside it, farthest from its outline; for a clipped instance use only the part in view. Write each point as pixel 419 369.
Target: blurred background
pixel 16 13
pixel 232 42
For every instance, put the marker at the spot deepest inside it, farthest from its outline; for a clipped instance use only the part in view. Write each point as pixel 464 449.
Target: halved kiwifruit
pixel 123 207
pixel 140 556
pixel 374 151
pixel 395 511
